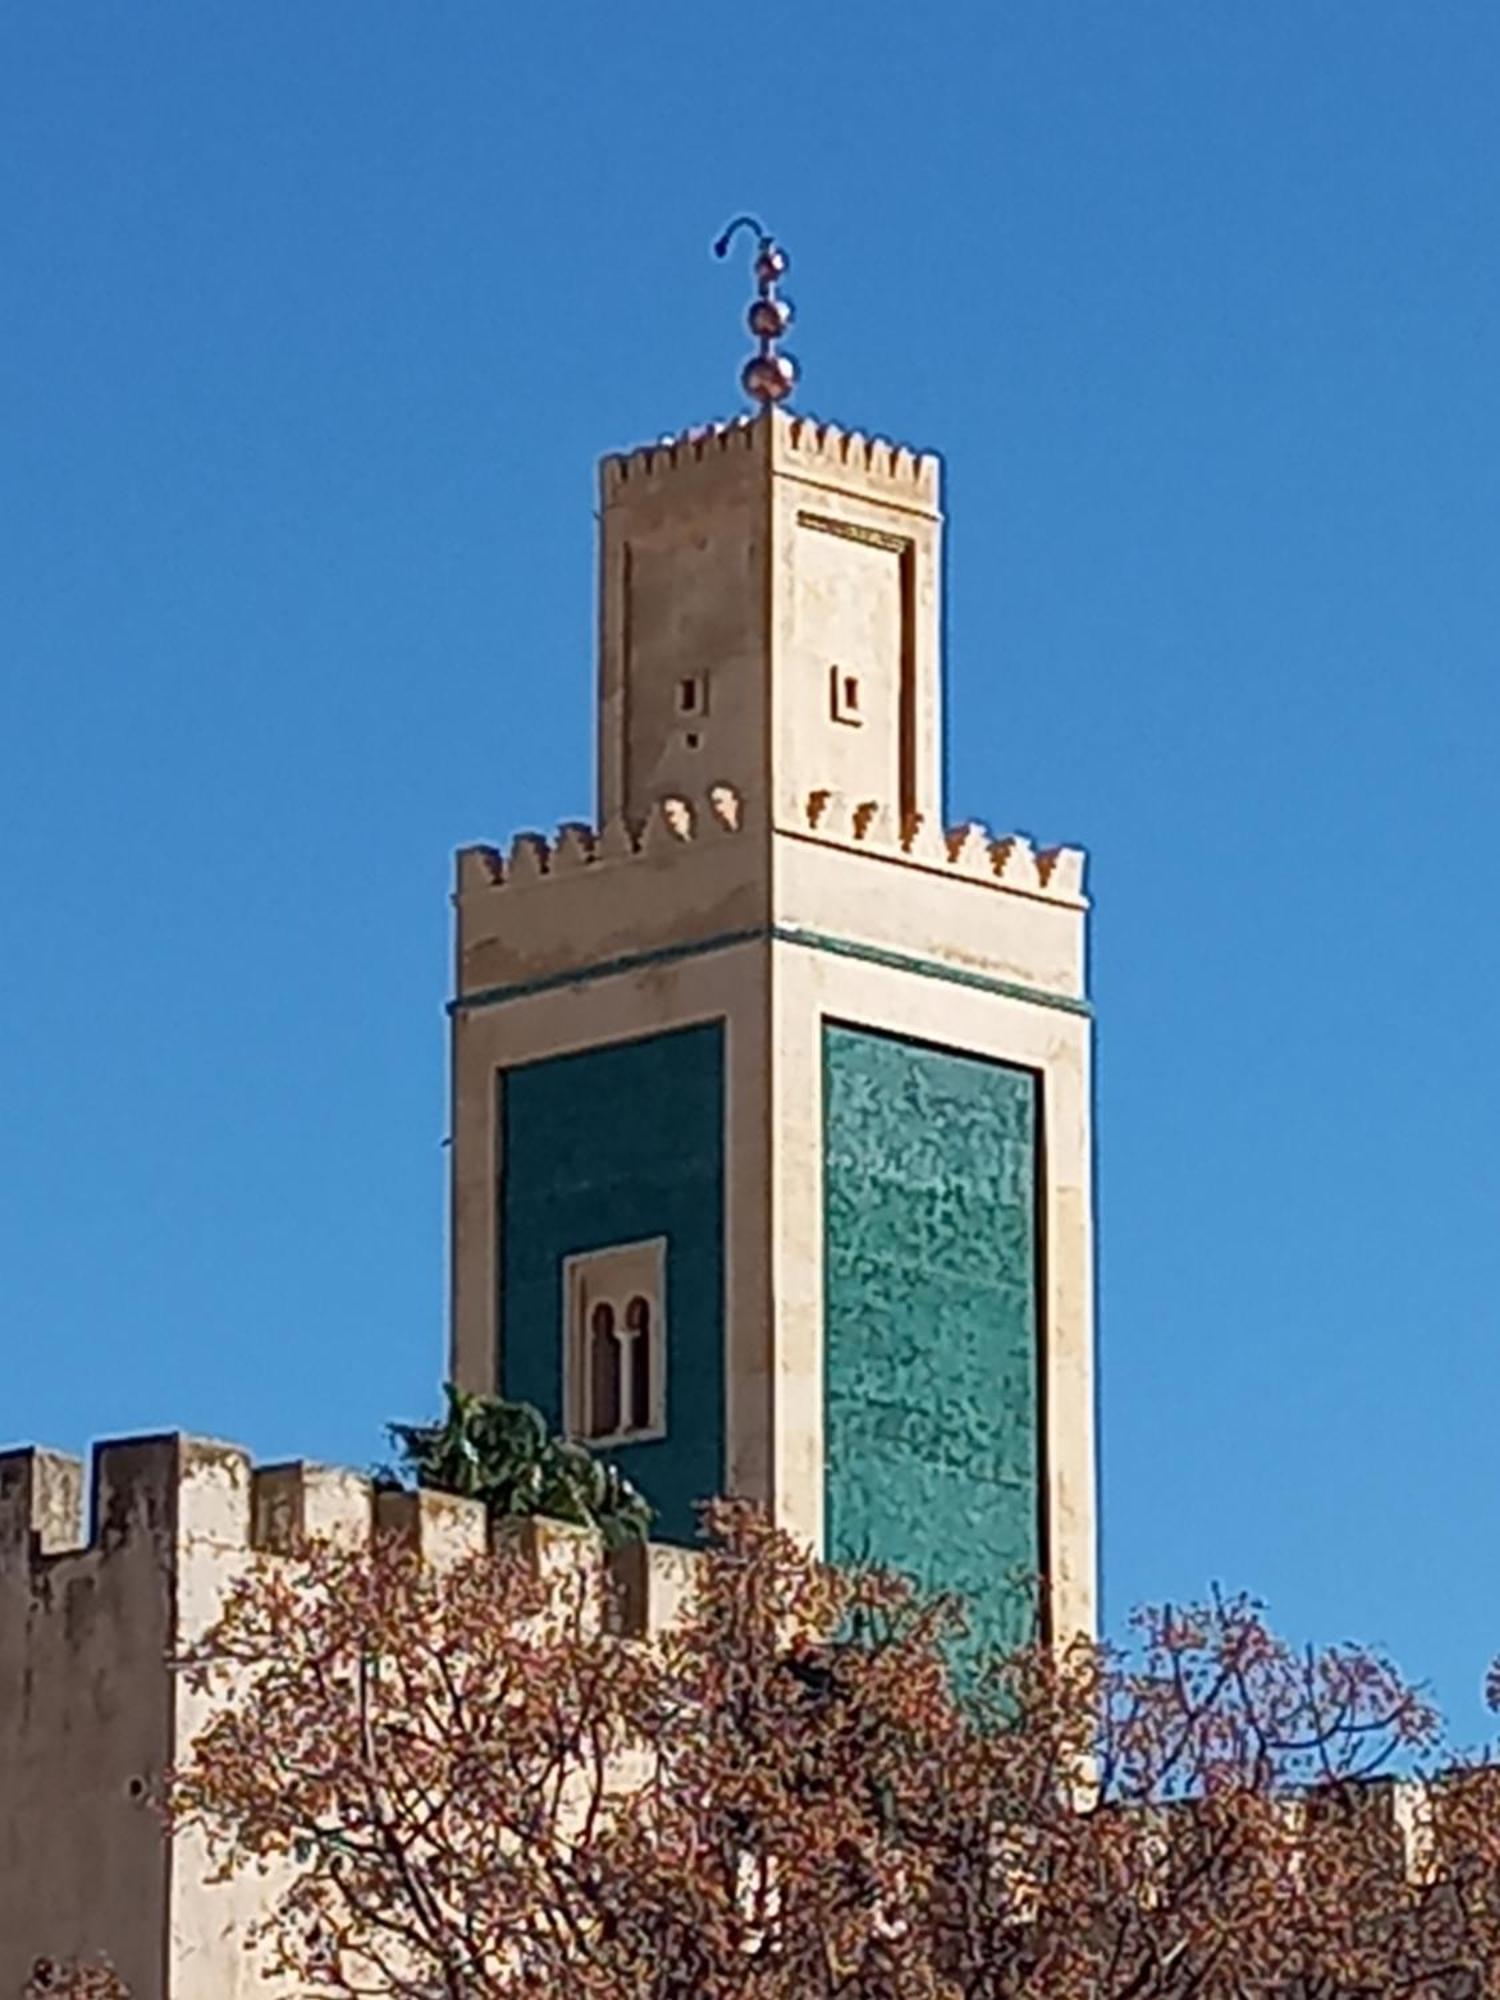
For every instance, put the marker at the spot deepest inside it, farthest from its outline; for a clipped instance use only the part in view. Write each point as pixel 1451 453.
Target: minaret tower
pixel 771 1138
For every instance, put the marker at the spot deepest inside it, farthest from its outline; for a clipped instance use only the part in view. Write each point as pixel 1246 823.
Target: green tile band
pixel 869 954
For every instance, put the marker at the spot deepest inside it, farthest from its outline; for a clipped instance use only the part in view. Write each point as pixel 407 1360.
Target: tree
pixel 485 1793
pixel 53 1980
pixel 498 1452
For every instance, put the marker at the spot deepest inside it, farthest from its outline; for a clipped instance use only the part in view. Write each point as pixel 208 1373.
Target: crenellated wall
pixel 799 444
pixel 1009 861
pixel 701 872
pixel 687 870
pixel 92 1609
pixel 93 1605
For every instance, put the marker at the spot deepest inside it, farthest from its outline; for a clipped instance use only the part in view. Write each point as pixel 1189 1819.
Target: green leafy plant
pixel 502 1453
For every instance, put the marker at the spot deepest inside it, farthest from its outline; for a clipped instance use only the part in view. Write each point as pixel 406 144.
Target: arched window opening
pixel 638 1364
pixel 605 1373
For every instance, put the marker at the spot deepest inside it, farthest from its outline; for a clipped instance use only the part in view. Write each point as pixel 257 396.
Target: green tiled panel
pixel 930 1340
pixel 613 1145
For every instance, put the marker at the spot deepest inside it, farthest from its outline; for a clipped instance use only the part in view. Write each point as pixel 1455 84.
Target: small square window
pixel 843 696
pixel 692 695
pixel 614 1343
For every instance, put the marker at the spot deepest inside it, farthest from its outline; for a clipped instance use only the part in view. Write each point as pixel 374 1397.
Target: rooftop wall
pixel 684 873
pixel 92 1608
pixel 802 447
pixel 90 1716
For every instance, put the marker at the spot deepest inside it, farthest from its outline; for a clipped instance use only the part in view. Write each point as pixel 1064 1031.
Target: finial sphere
pixel 768 319
pixel 769 378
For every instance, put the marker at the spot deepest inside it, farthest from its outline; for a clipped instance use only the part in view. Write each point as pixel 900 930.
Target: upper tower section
pixel 770 619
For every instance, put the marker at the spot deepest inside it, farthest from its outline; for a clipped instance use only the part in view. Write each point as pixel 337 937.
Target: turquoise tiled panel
pixel 931 1412
pixel 612 1145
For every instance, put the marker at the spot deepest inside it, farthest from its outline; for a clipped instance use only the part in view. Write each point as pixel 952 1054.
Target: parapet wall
pixel 684 873
pixel 1007 861
pixel 93 1607
pixel 670 825
pixel 175 1495
pixel 799 446
pixel 695 871
pixel 977 907
pixel 91 1715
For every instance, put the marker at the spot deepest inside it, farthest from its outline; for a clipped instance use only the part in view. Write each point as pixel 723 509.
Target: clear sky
pixel 313 319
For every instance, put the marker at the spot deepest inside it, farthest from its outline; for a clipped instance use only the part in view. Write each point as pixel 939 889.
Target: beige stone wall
pixel 742 567
pixel 92 1717
pixel 84 1716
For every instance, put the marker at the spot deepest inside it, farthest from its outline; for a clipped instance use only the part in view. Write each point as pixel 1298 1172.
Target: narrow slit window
pixel 843 696
pixel 692 695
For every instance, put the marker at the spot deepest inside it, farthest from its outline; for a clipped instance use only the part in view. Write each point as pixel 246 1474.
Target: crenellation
pixel 529 858
pixel 700 444
pixel 802 443
pixel 41 1504
pixel 881 461
pixel 1015 864
pixel 920 837
pixel 134 1491
pixel 575 846
pixel 479 867
pixel 154 1490
pixel 969 849
pixel 673 822
pixel 617 840
pixel 440 1528
pixel 653 1587
pixel 1061 870
pixel 178 1493
pixel 295 1503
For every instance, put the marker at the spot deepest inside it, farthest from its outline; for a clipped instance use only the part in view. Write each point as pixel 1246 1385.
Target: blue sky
pixel 313 320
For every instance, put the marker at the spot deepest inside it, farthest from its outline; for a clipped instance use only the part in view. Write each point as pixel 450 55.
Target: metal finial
pixel 767 377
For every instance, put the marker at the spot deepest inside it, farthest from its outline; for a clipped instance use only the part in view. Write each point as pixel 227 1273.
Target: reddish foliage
pixel 53 1980
pixel 479 1793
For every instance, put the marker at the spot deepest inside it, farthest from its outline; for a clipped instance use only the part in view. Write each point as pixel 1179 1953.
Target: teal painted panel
pixel 612 1145
pixel 931 1417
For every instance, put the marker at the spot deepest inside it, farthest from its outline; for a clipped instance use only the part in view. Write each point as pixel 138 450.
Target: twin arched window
pixel 614 1371
pixel 620 1369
